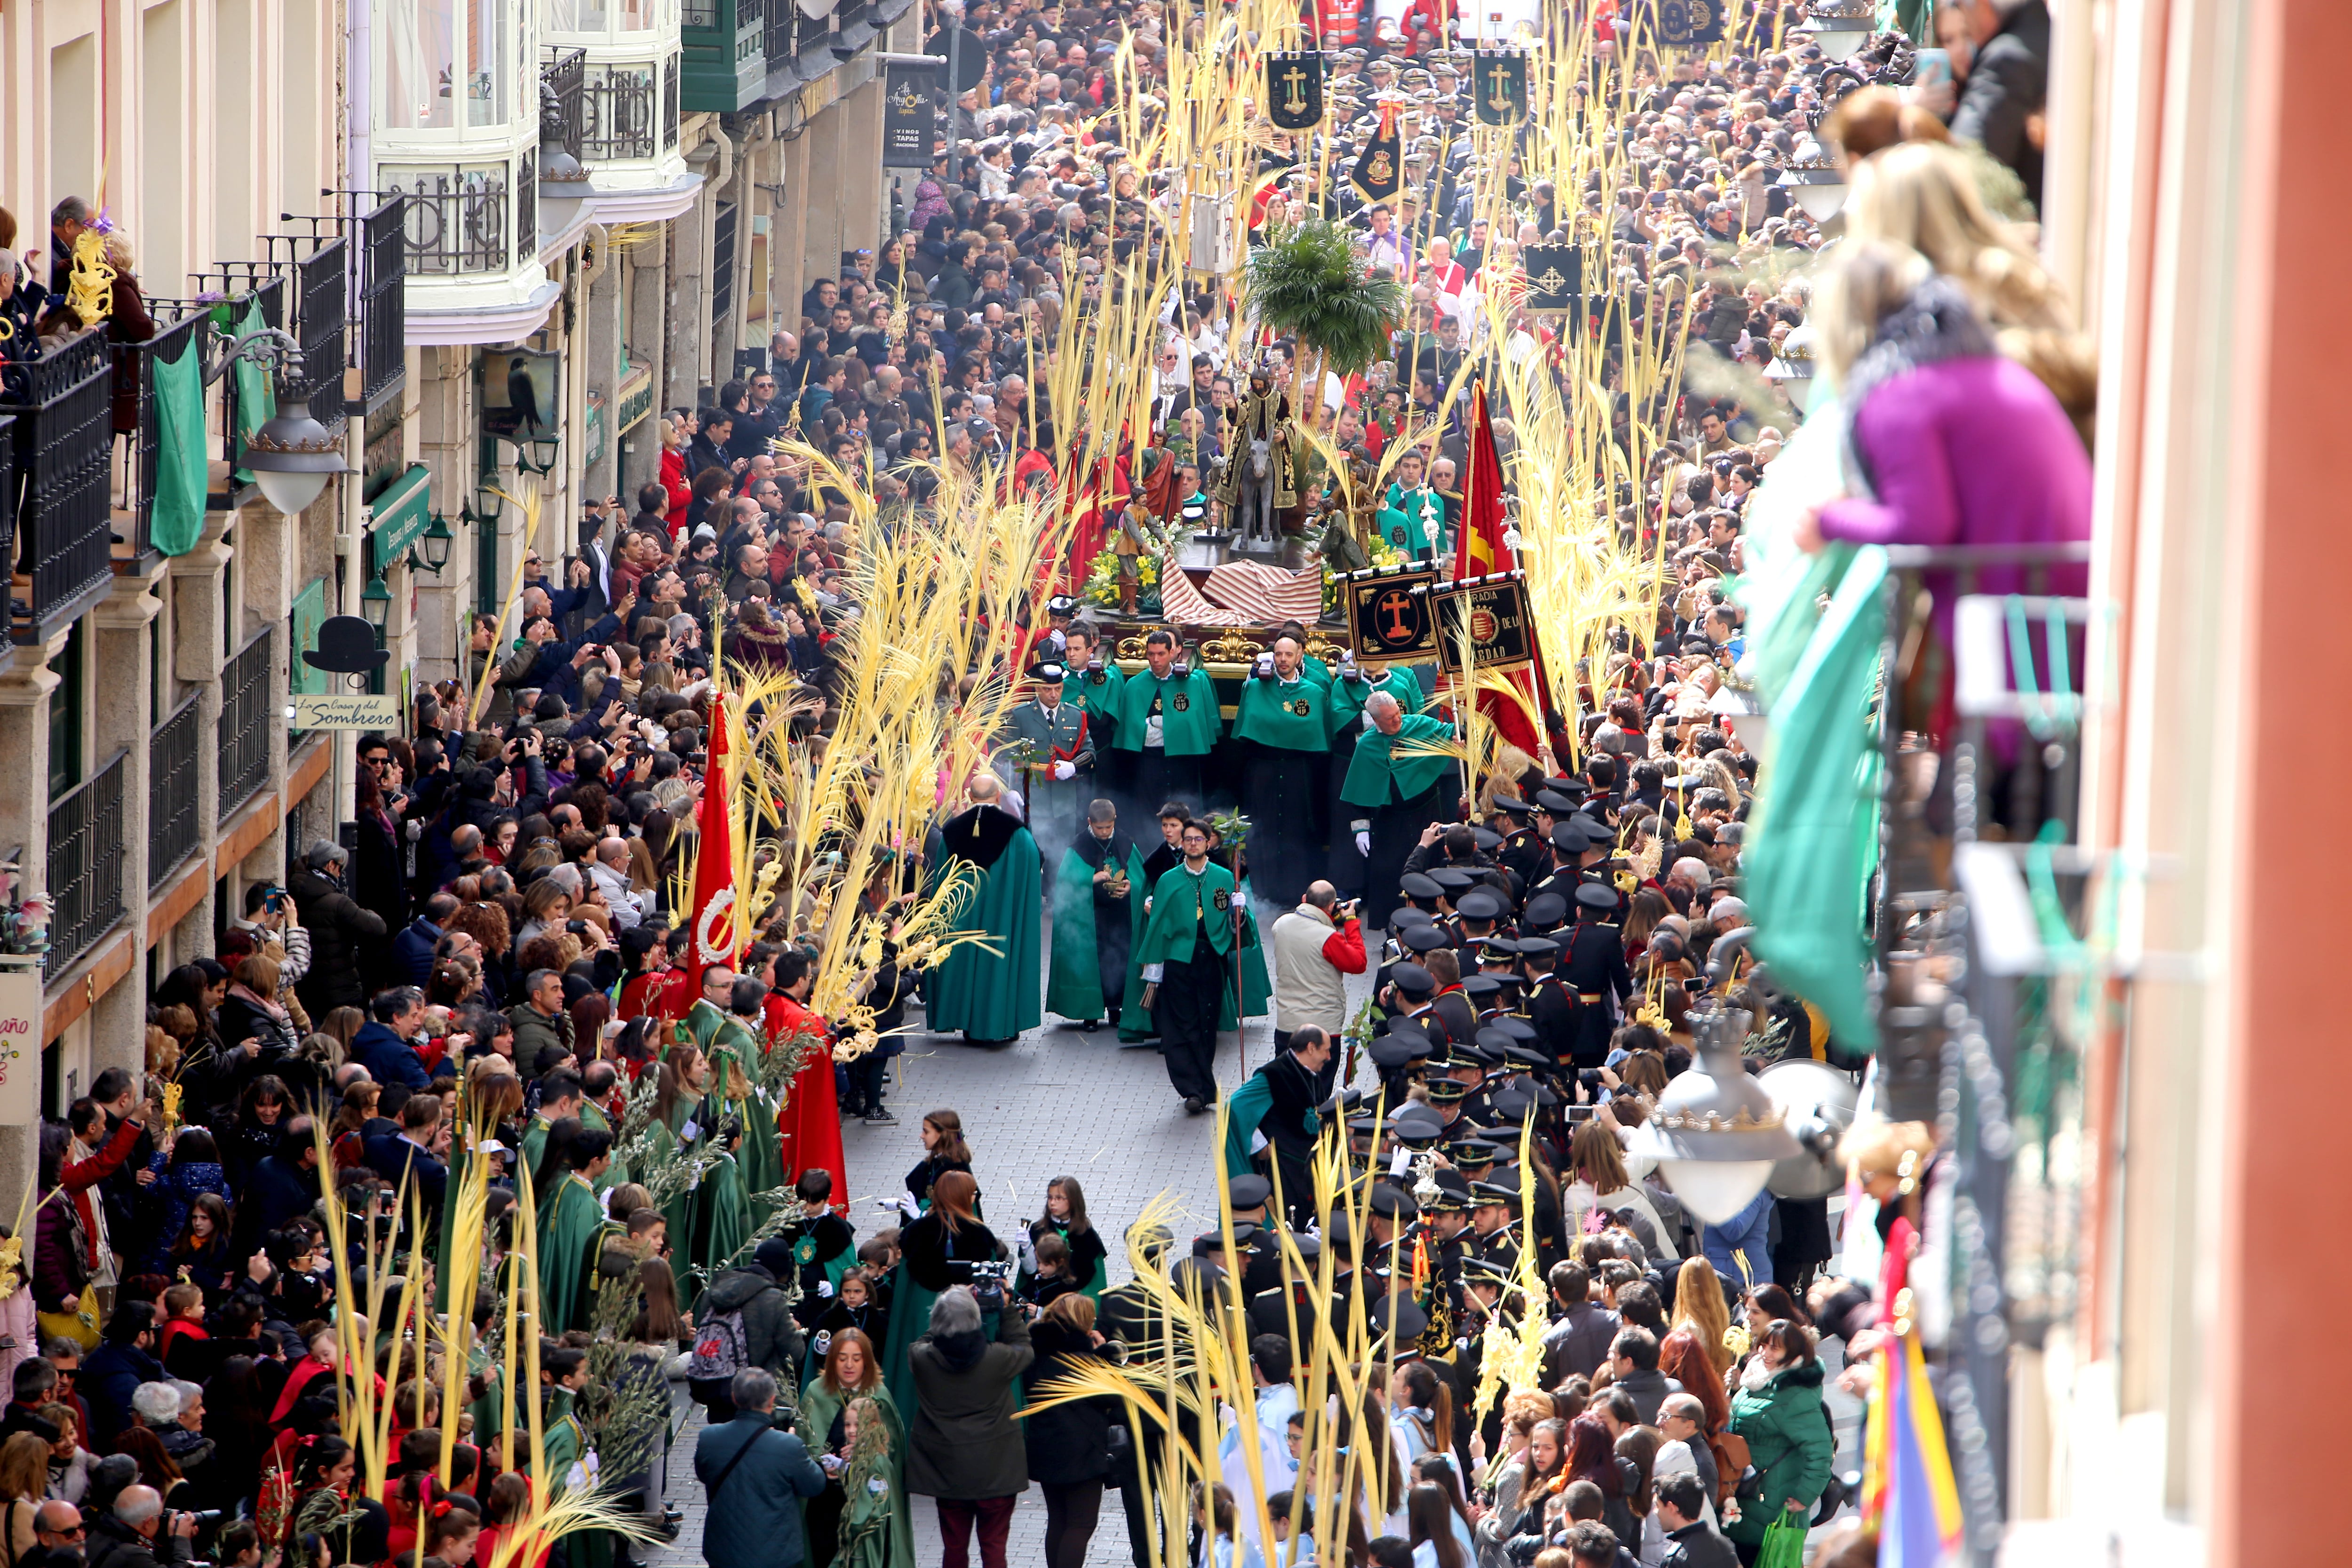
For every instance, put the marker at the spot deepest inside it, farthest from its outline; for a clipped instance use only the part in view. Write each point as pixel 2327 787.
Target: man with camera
pixel 139 1533
pixel 1315 946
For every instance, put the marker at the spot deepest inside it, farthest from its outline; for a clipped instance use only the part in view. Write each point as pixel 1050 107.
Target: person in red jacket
pixel 70 1235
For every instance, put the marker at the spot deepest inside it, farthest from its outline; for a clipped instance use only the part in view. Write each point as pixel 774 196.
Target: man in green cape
pixel 570 1223
pixel 559 1097
pixel 723 1022
pixel 1098 913
pixel 990 990
pixel 1350 690
pixel 1284 717
pixel 1136 1024
pixel 1194 926
pixel 1168 722
pixel 1277 1108
pixel 1396 785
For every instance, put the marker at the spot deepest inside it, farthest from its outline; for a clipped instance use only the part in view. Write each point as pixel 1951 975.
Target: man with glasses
pixel 56 1524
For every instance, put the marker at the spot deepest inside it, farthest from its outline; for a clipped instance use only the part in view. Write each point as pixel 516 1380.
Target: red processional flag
pixel 714 861
pixel 1479 550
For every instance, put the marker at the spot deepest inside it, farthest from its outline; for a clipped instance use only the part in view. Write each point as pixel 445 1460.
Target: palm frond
pixel 1308 283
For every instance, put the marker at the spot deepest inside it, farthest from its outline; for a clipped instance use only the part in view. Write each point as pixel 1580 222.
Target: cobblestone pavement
pixel 1057 1102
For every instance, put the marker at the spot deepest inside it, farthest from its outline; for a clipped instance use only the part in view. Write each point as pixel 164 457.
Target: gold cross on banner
pixel 1499 78
pixel 1296 102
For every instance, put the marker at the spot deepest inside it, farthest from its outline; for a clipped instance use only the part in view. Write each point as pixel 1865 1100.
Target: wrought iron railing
pixel 847 15
pixel 65 437
pixel 85 864
pixel 168 345
pixel 526 207
pixel 382 316
pixel 701 13
pixel 324 310
pixel 245 723
pixel 456 219
pixel 669 109
pixel 622 110
pixel 172 821
pixel 787 31
pixel 562 96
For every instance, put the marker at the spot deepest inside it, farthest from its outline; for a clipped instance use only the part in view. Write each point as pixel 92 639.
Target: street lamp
pixel 293 455
pixel 1814 181
pixel 1717 1133
pixel 1840 27
pixel 563 190
pixel 375 603
pixel 433 545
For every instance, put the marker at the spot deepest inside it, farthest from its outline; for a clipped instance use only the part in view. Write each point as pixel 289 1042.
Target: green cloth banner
pixel 175 513
pixel 1814 841
pixel 256 399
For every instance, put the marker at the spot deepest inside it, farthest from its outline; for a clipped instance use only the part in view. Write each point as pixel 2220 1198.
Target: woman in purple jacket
pixel 1947 441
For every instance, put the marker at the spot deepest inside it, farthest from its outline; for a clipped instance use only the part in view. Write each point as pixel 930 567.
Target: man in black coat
pixel 1592 967
pixel 1691 1541
pixel 281 1186
pixel 1581 1329
pixel 138 1533
pixel 2007 84
pixel 338 929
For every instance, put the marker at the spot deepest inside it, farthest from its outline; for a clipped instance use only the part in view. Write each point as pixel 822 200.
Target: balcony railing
pixel 85 865
pixel 8 506
pixel 621 113
pixel 562 96
pixel 456 219
pixel 700 13
pixel 322 293
pixel 669 107
pixel 788 30
pixel 245 723
pixel 169 344
pixel 172 778
pixel 64 436
pixel 383 314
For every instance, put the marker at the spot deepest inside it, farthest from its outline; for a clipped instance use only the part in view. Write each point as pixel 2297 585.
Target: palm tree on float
pixel 1309 283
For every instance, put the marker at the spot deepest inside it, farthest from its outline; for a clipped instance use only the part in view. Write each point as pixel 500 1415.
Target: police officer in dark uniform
pixel 1593 968
pixel 1551 1007
pixel 1522 851
pixel 1491 1238
pixel 1260 1259
pixel 1481 913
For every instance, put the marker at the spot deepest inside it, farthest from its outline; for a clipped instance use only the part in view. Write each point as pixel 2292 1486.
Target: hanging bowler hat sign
pixel 346 646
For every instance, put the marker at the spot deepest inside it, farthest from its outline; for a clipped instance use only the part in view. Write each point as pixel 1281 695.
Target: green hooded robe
pixel 990 990
pixel 1073 989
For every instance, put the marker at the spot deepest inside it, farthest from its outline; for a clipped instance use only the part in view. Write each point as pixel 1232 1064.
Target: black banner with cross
pixel 1294 89
pixel 1555 276
pixel 1501 87
pixel 1391 615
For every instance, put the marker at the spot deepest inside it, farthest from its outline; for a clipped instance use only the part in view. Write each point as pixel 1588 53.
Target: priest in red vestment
pixel 808 1126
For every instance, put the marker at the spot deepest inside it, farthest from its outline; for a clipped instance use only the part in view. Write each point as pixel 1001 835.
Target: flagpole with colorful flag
pixel 1909 1495
pixel 1480 550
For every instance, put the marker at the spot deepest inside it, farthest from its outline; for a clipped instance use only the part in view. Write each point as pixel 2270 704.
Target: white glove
pixel 1364 844
pixel 1065 770
pixel 1265 667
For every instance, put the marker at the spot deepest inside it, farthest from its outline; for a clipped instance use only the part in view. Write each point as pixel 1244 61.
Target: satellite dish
pixel 1819 1103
